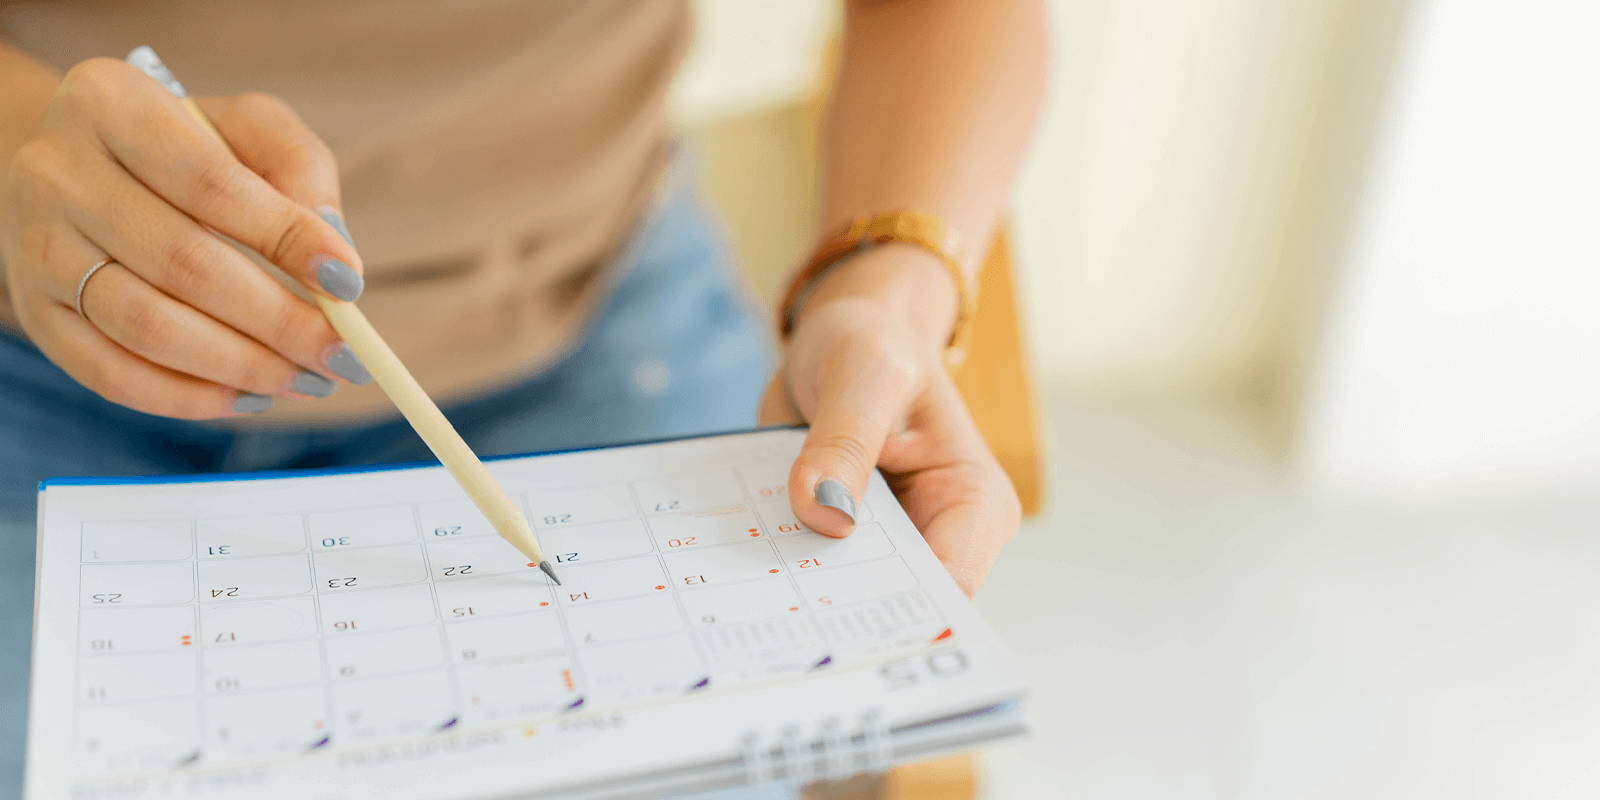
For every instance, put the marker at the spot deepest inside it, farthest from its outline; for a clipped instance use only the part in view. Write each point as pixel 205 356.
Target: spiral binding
pixel 830 753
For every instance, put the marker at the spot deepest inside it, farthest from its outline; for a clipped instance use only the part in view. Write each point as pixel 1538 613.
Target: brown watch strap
pixel 866 230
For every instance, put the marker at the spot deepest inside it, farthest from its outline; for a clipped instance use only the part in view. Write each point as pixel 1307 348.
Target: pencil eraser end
pixel 145 59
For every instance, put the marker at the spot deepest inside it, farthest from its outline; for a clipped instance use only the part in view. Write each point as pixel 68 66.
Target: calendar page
pixel 326 635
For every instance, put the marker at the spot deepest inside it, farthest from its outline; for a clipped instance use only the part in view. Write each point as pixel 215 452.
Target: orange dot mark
pixel 754 534
pixel 754 530
pixel 544 603
pixel 944 634
pixel 773 571
pixel 533 564
pixel 566 677
pixel 659 587
pixel 794 608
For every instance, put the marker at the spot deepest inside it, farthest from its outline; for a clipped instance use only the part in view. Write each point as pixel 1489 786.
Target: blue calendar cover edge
pixel 272 474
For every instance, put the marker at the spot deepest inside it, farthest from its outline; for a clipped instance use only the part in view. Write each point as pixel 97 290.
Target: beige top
pixel 493 153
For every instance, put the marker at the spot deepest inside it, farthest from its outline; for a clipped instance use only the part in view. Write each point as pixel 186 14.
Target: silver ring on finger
pixel 77 298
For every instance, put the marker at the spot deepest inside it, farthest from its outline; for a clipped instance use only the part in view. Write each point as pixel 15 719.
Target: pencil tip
pixel 544 566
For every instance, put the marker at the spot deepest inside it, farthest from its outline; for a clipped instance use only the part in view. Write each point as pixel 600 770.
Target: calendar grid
pixel 567 638
pixel 456 692
pixel 368 570
pixel 794 583
pixel 661 559
pixel 198 636
pixel 320 622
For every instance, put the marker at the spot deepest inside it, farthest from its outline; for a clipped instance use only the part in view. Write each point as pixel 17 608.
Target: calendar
pixel 339 633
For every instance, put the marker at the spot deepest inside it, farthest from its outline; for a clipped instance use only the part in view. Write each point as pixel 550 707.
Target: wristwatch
pixel 867 230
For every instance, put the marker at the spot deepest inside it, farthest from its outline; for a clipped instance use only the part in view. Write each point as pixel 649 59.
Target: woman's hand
pixel 864 367
pixel 182 324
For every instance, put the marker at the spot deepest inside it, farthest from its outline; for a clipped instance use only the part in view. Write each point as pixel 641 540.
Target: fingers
pixel 952 487
pixel 123 378
pixel 268 136
pixel 271 139
pixel 172 253
pixel 184 324
pixel 163 331
pixel 158 328
pixel 861 398
pixel 967 537
pixel 939 431
pixel 153 136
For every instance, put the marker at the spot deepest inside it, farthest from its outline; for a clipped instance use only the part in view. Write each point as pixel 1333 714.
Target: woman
pixel 527 245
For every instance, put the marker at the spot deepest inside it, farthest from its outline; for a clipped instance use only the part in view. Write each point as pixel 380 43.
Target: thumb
pixel 858 404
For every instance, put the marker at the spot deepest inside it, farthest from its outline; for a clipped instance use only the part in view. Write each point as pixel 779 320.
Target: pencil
pixel 395 380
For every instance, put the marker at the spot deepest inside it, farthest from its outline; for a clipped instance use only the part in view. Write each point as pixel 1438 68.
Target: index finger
pixel 156 139
pixel 951 486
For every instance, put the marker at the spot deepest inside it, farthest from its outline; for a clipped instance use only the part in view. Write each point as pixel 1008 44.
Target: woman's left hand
pixel 864 366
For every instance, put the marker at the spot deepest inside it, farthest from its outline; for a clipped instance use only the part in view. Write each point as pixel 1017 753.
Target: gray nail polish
pixel 833 494
pixel 248 403
pixel 332 218
pixel 308 382
pixel 344 363
pixel 340 279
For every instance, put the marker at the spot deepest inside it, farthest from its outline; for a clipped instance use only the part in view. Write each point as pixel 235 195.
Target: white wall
pixel 1463 345
pixel 750 55
pixel 1163 213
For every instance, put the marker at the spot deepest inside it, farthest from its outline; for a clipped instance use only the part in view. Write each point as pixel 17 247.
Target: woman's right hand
pixel 182 324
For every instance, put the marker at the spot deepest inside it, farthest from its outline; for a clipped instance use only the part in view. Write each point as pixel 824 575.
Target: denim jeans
pixel 675 349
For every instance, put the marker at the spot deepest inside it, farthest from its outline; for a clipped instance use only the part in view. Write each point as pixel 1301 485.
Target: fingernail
pixel 340 279
pixel 308 382
pixel 343 362
pixel 248 403
pixel 332 217
pixel 833 494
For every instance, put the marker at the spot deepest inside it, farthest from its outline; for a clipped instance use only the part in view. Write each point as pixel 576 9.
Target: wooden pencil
pixel 396 381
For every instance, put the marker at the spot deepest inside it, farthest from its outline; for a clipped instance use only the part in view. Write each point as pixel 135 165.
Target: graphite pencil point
pixel 544 566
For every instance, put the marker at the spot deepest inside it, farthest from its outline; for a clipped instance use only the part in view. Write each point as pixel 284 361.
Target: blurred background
pixel 1306 312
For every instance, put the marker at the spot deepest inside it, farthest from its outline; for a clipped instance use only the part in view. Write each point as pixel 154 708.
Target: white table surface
pixel 1195 629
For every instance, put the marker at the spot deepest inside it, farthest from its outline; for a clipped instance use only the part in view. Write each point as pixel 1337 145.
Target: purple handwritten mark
pixel 449 724
pixel 574 705
pixel 320 743
pixel 701 684
pixel 826 660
